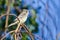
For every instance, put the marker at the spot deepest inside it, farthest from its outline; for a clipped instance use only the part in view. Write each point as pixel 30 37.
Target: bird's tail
pixel 13 24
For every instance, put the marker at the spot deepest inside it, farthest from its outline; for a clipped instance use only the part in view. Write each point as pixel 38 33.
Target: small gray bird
pixel 22 17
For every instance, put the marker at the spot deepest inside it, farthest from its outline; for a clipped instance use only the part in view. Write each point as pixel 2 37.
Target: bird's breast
pixel 23 19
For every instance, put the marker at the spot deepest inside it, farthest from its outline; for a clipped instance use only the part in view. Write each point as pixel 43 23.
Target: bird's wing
pixel 15 20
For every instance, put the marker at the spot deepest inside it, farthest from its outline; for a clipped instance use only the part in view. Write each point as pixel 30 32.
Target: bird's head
pixel 25 12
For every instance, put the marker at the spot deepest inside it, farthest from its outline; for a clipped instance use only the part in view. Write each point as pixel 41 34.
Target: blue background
pixel 48 17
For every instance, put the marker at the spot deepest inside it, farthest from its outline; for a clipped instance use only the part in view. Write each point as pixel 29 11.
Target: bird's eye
pixel 24 14
pixel 26 11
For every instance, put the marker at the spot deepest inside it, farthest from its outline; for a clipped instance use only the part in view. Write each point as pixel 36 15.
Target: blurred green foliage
pixel 2 4
pixel 31 21
pixel 33 26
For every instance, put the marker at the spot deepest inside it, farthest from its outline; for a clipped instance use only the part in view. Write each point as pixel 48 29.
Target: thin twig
pixel 58 35
pixel 27 30
pixel 37 36
pixel 9 14
pixel 7 34
pixel 15 37
pixel 17 27
pixel 19 30
pixel 8 10
pixel 16 31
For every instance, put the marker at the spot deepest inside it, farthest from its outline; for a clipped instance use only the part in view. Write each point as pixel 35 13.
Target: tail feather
pixel 13 24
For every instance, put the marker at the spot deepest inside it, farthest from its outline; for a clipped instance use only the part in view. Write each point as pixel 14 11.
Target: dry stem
pixel 7 34
pixel 8 10
pixel 27 30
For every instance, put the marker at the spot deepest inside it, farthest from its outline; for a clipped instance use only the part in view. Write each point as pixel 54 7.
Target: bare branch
pixel 8 10
pixel 27 30
pixel 7 34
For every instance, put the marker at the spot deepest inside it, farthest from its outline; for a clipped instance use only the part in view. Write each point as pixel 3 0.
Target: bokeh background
pixel 43 19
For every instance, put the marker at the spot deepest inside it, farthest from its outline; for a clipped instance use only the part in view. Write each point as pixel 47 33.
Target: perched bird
pixel 22 17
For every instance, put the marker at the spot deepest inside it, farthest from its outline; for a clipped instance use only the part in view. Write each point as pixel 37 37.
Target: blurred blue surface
pixel 48 17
